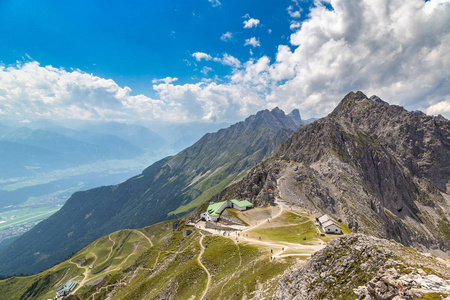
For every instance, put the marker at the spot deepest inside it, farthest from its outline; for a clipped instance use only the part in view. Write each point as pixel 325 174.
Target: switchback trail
pixel 110 251
pixel 148 239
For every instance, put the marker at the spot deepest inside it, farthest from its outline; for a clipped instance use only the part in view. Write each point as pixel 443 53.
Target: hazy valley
pixel 43 164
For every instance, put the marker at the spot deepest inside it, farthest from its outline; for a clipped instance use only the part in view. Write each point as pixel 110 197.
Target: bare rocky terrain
pixel 363 267
pixel 382 170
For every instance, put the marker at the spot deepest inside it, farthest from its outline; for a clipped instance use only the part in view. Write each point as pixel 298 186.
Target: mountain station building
pixel 328 224
pixel 65 289
pixel 215 209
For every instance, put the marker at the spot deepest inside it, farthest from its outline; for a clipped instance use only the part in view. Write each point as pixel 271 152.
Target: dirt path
pixel 266 221
pixel 203 266
pixel 148 239
pixel 85 274
pixel 110 251
pixel 156 261
pixel 59 282
pixel 283 246
pixel 133 252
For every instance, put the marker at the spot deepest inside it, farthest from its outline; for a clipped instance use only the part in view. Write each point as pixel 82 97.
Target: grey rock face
pixel 364 267
pixel 381 169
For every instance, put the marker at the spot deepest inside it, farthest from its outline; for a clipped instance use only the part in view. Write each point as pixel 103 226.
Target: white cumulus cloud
pixel 442 107
pixel 30 92
pixel 226 36
pixel 293 13
pixel 228 60
pixel 200 55
pixel 165 80
pixel 215 2
pixel 250 23
pixel 252 42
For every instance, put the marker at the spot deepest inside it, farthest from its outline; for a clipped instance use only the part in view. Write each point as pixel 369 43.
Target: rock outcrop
pixel 364 267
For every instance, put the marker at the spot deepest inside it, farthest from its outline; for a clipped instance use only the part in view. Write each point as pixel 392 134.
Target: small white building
pixel 331 226
pixel 328 224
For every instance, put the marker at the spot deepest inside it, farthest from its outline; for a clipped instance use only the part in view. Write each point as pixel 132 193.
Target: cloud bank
pixel 399 50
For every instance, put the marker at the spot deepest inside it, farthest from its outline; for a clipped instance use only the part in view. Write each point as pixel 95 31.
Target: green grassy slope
pixel 163 191
pixel 126 265
pixel 104 257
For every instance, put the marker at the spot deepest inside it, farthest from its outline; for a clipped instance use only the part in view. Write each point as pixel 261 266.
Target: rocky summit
pixel 380 169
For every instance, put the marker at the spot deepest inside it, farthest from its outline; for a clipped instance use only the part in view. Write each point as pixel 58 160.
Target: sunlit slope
pixel 165 260
pixel 104 257
pixel 167 189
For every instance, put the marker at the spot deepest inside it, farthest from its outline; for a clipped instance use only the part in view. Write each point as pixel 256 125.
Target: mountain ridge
pixel 381 169
pixel 182 181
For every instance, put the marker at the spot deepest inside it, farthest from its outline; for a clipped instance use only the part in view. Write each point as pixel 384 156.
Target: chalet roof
pixel 319 214
pixel 241 203
pixel 214 207
pixel 329 223
pixel 324 218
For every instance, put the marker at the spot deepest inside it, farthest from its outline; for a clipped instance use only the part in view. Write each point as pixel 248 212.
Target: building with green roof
pixel 65 289
pixel 214 210
pixel 241 204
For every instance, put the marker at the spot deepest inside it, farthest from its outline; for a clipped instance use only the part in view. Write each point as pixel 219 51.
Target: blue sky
pixel 134 42
pixel 218 61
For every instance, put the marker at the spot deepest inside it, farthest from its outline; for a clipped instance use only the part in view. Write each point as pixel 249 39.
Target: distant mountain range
pixel 168 188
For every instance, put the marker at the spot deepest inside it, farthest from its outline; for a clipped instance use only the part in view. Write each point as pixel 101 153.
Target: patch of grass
pixel 445 228
pixel 290 233
pixel 293 218
pixel 344 228
pixel 43 285
pixel 432 296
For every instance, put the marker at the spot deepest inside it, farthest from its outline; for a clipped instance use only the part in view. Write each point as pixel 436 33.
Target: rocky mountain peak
pixel 275 119
pixel 295 115
pixel 377 99
pixel 379 168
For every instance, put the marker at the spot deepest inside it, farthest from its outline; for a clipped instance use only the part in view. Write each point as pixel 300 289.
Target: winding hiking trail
pixel 148 239
pixel 85 274
pixel 203 266
pixel 86 268
pixel 110 251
